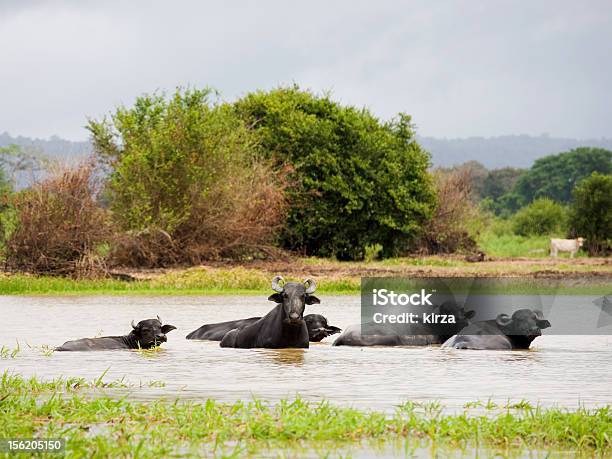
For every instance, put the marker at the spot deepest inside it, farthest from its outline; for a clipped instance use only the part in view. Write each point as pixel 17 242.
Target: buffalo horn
pixel 276 286
pixel 310 285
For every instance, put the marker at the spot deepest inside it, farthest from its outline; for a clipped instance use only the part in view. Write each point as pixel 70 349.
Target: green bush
pixel 354 181
pixel 543 216
pixel 591 215
pixel 186 183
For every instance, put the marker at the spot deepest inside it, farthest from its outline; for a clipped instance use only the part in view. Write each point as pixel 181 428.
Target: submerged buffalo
pixel 318 328
pixel 216 331
pixel 284 326
pixel 503 332
pixel 411 334
pixel 316 324
pixel 146 335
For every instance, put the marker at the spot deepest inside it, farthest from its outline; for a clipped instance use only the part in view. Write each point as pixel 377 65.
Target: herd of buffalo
pixel 286 326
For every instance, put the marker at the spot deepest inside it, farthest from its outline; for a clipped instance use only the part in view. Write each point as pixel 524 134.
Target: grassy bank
pixel 332 277
pixel 102 426
pixel 194 281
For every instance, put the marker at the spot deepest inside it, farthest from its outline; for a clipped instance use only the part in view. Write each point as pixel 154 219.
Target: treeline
pixel 566 194
pixel 183 178
pixel 519 151
pixel 187 178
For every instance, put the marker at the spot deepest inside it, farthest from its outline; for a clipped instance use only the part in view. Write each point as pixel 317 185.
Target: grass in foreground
pixel 110 427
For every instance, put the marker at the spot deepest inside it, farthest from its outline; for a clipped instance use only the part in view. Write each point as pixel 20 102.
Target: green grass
pixel 337 279
pixel 333 277
pixel 498 240
pixel 103 426
pixel 191 281
pixel 511 245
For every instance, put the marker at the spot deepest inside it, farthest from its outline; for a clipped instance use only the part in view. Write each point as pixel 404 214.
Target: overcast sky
pixel 460 68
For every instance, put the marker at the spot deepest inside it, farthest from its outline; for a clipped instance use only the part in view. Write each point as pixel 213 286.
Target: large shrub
pixel 186 183
pixel 353 180
pixel 591 215
pixel 58 227
pixel 543 216
pixel 454 221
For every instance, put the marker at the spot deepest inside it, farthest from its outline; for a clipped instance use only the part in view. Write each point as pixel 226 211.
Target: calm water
pixel 559 370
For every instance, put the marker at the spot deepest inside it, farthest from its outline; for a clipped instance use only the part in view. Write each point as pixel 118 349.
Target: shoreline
pixel 333 277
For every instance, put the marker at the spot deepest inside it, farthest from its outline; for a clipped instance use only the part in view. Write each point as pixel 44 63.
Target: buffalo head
pixel 150 333
pixel 318 328
pixel 294 297
pixel 523 322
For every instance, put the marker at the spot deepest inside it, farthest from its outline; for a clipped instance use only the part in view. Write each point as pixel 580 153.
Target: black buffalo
pixel 216 331
pixel 146 335
pixel 412 334
pixel 318 328
pixel 503 332
pixel 284 326
pixel 316 324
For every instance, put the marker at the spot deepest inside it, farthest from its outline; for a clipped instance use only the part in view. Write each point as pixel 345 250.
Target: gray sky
pixel 461 68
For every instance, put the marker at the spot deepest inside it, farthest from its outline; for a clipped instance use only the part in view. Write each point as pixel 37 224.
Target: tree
pixel 474 171
pixel 186 183
pixel 555 176
pixel 591 215
pixel 499 182
pixel 354 180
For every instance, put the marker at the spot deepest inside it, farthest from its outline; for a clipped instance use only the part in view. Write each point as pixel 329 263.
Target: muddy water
pixel 559 371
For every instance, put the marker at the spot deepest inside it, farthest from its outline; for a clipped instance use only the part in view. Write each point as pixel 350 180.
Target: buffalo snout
pixel 294 317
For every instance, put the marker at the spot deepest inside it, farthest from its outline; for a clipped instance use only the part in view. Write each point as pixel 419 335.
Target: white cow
pixel 565 245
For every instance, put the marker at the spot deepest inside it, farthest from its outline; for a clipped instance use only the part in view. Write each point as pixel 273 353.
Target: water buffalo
pixel 503 332
pixel 216 331
pixel 316 324
pixel 146 335
pixel 283 326
pixel 413 334
pixel 318 328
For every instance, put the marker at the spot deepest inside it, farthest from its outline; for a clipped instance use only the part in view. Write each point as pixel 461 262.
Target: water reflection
pixel 284 356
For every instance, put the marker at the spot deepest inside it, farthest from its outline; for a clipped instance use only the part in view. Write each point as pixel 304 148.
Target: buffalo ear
pixel 167 328
pixel 311 299
pixel 469 314
pixel 503 320
pixel 276 297
pixel 543 323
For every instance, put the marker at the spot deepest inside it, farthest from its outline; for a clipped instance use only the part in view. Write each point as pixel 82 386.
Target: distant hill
pixel 492 152
pixel 55 146
pixel 502 151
